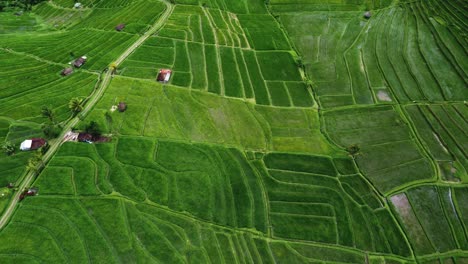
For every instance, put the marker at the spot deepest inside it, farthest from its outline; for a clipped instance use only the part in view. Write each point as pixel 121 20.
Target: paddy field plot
pixel 402 54
pixel 125 200
pixel 13 24
pixel 171 112
pixel 62 47
pixel 434 217
pixel 388 155
pixel 236 55
pixel 443 130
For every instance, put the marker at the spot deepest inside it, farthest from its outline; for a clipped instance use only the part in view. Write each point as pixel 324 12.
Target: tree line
pixel 25 5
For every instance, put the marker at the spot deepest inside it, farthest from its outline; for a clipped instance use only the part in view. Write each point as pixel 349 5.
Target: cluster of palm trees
pixel 76 105
pixel 51 129
pixel 18 4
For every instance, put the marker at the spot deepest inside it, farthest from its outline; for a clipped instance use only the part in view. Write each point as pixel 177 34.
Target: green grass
pixel 278 66
pixel 101 47
pixel 389 159
pixel 310 164
pixel 263 32
pixel 441 128
pixel 19 24
pixel 232 78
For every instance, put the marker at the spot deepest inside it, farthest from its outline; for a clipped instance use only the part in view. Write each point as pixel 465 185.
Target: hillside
pixel 291 131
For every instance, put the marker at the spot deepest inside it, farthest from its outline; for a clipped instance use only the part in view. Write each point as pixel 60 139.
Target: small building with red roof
pixel 32 144
pixel 164 75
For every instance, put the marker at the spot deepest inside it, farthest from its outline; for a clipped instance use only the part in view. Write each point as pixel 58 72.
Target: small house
pixel 77 5
pixel 29 192
pixel 32 144
pixel 85 137
pixel 32 191
pixel 122 107
pixel 164 75
pixel 80 61
pixel 120 27
pixel 11 185
pixel 67 71
pixel 367 15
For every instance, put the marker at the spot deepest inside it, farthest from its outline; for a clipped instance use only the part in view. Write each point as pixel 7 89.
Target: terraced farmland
pixel 290 132
pixel 27 84
pixel 236 55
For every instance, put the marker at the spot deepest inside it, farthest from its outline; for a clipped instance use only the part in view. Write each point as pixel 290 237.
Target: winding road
pixel 28 178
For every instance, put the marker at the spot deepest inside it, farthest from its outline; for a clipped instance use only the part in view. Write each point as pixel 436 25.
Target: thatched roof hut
pixel 367 15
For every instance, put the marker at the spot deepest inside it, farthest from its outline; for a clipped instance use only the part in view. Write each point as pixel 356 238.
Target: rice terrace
pixel 234 131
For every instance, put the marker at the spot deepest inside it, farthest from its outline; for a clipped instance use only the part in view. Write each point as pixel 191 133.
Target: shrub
pixel 51 130
pixel 353 149
pixel 9 148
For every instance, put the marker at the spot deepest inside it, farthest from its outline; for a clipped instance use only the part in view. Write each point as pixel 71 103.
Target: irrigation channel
pixel 94 98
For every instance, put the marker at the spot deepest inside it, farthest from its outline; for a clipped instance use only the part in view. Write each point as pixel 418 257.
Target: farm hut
pixel 77 5
pixel 10 185
pixel 67 71
pixel 367 15
pixel 120 27
pixel 164 75
pixel 80 61
pixel 32 191
pixel 32 144
pixel 122 107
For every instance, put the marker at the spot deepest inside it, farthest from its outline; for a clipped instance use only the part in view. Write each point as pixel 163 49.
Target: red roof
pixel 37 143
pixel 162 75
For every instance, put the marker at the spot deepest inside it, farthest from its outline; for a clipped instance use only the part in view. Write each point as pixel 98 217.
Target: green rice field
pixel 290 131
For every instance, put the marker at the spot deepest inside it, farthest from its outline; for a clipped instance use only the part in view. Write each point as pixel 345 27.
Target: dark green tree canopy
pixel 18 4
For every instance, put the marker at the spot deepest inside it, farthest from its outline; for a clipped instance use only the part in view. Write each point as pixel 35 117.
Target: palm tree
pixel 75 105
pixel 48 113
pixel 113 68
